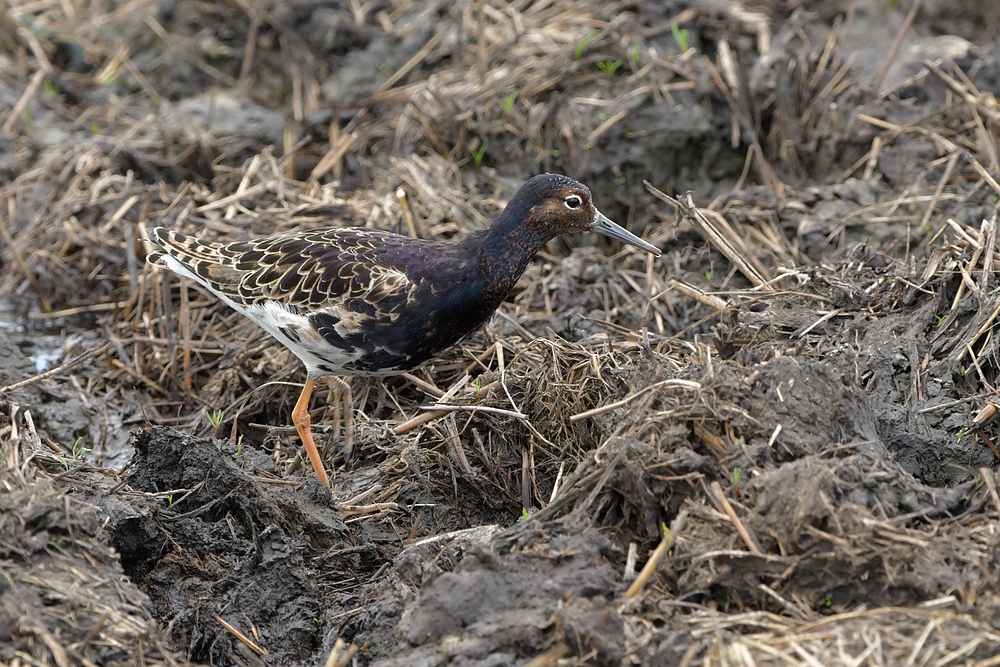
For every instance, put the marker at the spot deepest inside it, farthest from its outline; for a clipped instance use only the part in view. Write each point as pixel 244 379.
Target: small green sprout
pixel 478 153
pixel 508 104
pixel 214 419
pixel 170 499
pixel 609 67
pixel 977 480
pixel 582 45
pixel 634 58
pixel 680 36
pixel 828 601
pixel 50 87
pixel 79 451
pixel 737 473
pixel 524 513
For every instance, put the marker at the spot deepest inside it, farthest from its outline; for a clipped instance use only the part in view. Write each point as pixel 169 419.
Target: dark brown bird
pixel 350 301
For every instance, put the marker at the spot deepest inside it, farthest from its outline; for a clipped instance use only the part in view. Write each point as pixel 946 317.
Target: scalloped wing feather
pixel 308 271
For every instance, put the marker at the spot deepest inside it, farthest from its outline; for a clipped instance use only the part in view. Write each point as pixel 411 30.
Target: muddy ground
pixel 799 388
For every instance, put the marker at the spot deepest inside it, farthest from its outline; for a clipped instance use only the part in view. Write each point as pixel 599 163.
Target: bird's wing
pixel 307 271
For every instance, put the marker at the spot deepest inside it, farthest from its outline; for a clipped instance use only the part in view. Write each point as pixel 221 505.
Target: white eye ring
pixel 573 202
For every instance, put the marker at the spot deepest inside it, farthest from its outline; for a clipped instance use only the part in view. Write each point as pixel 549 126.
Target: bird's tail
pixel 184 248
pixel 189 257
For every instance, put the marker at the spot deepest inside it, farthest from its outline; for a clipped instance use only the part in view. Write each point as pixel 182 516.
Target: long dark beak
pixel 604 225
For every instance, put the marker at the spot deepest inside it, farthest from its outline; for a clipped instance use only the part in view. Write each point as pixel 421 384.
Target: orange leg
pixel 300 417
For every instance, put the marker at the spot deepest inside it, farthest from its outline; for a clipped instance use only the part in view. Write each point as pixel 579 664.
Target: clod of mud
pixel 508 597
pixel 211 531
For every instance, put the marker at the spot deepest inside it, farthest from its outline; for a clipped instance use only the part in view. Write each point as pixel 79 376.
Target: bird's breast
pixel 400 332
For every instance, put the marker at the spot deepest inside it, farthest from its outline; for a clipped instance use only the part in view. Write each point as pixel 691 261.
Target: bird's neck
pixel 505 250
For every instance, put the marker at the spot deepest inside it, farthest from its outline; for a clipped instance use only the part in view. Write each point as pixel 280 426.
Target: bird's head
pixel 560 205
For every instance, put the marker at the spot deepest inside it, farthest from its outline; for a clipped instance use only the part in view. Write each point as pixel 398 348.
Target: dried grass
pixel 73 605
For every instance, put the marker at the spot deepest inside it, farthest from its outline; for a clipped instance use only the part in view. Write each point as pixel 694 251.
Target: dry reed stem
pixel 246 641
pixel 656 557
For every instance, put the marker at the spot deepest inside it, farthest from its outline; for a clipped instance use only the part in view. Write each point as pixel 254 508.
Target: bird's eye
pixel 573 201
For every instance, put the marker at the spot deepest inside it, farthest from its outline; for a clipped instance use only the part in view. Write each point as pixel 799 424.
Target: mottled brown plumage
pixel 368 302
